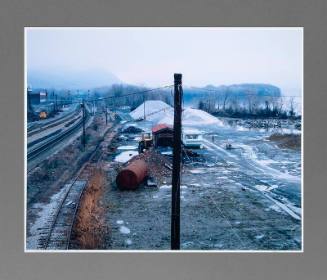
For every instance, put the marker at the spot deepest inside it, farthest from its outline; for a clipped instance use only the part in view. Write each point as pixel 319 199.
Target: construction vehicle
pixel 43 115
pixel 146 142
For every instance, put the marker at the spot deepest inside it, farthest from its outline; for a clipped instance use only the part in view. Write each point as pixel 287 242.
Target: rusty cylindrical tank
pixel 131 176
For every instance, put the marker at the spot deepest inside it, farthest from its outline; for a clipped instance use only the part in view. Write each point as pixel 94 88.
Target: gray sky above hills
pixel 150 56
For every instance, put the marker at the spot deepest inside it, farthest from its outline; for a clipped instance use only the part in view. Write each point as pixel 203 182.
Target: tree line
pixel 248 105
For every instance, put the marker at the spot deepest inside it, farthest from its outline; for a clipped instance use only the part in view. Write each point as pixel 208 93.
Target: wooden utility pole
pixel 144 106
pixel 175 201
pixel 56 104
pixel 83 137
pixel 106 115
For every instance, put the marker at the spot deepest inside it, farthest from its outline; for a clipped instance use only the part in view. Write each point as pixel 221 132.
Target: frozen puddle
pixel 124 230
pixel 125 156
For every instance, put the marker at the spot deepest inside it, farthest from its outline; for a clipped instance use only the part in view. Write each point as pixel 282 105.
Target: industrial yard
pixel 192 143
pixel 244 198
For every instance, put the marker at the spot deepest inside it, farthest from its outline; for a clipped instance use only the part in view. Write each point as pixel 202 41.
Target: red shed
pixel 163 135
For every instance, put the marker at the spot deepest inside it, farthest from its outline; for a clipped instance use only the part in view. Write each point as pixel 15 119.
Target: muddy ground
pixel 291 141
pixel 224 206
pixel 246 198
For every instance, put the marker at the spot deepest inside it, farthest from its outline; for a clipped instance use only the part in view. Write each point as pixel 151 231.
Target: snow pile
pixel 158 111
pixel 198 117
pixel 151 110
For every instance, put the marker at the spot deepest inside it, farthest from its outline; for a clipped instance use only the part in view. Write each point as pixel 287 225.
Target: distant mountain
pixel 65 79
pixel 193 94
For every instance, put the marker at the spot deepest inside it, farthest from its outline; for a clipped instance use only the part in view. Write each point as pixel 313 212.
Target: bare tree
pixel 225 98
pixel 291 112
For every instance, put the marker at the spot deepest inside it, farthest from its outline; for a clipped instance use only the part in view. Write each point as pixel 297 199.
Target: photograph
pixel 163 139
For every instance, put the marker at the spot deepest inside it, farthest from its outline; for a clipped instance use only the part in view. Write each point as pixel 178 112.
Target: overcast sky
pixel 150 56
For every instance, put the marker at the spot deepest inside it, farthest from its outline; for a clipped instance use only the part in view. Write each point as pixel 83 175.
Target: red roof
pixel 160 126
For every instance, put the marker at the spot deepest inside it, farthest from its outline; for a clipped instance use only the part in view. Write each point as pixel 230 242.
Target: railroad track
pixel 56 232
pixel 38 150
pixel 34 129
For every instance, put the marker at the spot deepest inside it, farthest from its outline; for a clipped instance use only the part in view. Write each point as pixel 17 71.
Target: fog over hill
pixel 70 79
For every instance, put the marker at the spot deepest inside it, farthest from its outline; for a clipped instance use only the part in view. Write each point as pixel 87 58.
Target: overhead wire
pixel 121 96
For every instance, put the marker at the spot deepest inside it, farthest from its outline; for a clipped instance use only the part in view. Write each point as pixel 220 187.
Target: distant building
pixel 163 135
pixel 36 97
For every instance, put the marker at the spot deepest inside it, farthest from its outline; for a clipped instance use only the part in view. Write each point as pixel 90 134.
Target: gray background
pixel 15 264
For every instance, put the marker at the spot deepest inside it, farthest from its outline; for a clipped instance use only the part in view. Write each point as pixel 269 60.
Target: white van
pixel 192 138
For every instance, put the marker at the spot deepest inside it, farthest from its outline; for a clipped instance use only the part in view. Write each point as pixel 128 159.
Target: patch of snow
pixel 128 241
pixel 284 207
pixel 165 187
pixel 69 203
pixel 272 187
pixel 241 128
pixel 295 209
pixel 44 217
pixel 124 230
pixel 276 208
pixel 125 156
pixel 119 222
pixel 187 244
pixel 260 236
pixel 128 147
pixel 261 188
pixel 264 166
pixel 197 171
pixel 219 245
